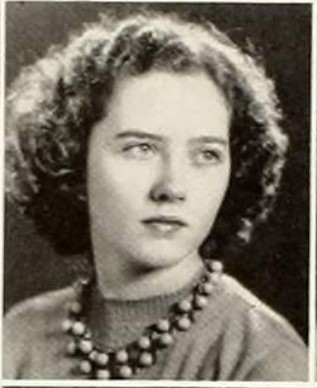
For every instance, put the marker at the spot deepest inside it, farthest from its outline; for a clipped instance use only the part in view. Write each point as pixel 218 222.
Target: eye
pixel 209 156
pixel 139 150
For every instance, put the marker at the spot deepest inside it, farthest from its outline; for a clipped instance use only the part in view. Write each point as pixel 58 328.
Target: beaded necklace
pixel 124 363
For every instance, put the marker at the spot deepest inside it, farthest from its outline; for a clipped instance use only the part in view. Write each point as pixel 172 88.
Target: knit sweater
pixel 235 337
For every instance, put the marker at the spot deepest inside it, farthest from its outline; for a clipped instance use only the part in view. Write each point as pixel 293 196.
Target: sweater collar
pixel 116 323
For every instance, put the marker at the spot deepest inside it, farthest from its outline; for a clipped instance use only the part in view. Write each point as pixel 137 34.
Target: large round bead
pixel 85 346
pixel 85 367
pixel 184 323
pixel 103 374
pixel 146 359
pixel 217 266
pixel 144 343
pixel 125 372
pixel 122 356
pixel 165 339
pixel 184 306
pixel 200 301
pixel 78 328
pixel 101 359
pixel 163 325
pixel 67 325
pixel 92 356
pixel 207 288
pixel 71 348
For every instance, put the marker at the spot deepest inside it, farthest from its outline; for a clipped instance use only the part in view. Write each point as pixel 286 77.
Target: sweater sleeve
pixel 282 364
pixel 16 330
pixel 29 330
pixel 257 343
pixel 276 352
pixel 285 356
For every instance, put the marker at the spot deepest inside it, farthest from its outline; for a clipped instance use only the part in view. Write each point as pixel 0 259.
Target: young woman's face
pixel 158 167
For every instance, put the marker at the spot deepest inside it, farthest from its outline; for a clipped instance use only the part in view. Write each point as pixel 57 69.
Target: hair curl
pixel 54 103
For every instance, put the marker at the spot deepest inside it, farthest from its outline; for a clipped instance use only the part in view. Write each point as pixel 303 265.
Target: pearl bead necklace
pixel 94 363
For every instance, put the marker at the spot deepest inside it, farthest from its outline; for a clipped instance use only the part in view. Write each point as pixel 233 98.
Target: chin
pixel 162 258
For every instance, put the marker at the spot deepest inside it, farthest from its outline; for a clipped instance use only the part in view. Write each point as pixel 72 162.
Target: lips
pixel 164 225
pixel 168 220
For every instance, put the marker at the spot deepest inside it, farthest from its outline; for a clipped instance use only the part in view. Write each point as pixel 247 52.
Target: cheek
pixel 211 193
pixel 108 200
pixel 117 185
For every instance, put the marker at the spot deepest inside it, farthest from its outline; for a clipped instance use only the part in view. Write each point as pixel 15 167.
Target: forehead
pixel 167 102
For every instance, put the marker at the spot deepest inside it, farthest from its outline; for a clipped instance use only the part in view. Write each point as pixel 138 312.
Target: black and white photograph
pixel 157 191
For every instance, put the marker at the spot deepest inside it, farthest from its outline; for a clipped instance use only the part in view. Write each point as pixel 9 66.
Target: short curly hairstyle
pixel 53 105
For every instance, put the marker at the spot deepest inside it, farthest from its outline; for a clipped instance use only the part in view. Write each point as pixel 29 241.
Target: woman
pixel 130 146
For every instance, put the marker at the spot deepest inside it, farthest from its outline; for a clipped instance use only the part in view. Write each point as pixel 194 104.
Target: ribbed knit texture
pixel 116 323
pixel 236 337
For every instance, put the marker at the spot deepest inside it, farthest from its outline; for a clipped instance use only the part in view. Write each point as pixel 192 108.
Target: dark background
pixel 275 265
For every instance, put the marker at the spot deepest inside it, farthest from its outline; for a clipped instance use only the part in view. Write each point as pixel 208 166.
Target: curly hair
pixel 54 103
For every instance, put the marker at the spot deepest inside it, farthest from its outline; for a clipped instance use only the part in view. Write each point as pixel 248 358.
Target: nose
pixel 169 186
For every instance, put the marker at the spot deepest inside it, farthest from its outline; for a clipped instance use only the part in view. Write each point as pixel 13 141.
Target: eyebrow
pixel 211 139
pixel 138 134
pixel 146 135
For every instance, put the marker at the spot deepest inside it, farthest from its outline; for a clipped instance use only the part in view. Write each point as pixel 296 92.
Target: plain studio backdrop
pixel 275 265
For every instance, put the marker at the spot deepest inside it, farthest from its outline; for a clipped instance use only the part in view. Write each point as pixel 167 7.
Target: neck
pixel 120 282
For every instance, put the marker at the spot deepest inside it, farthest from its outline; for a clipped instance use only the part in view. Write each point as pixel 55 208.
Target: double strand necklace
pixel 124 363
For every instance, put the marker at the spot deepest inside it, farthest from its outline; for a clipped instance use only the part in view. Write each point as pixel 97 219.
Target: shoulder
pixel 32 323
pixel 38 308
pixel 262 341
pixel 255 312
